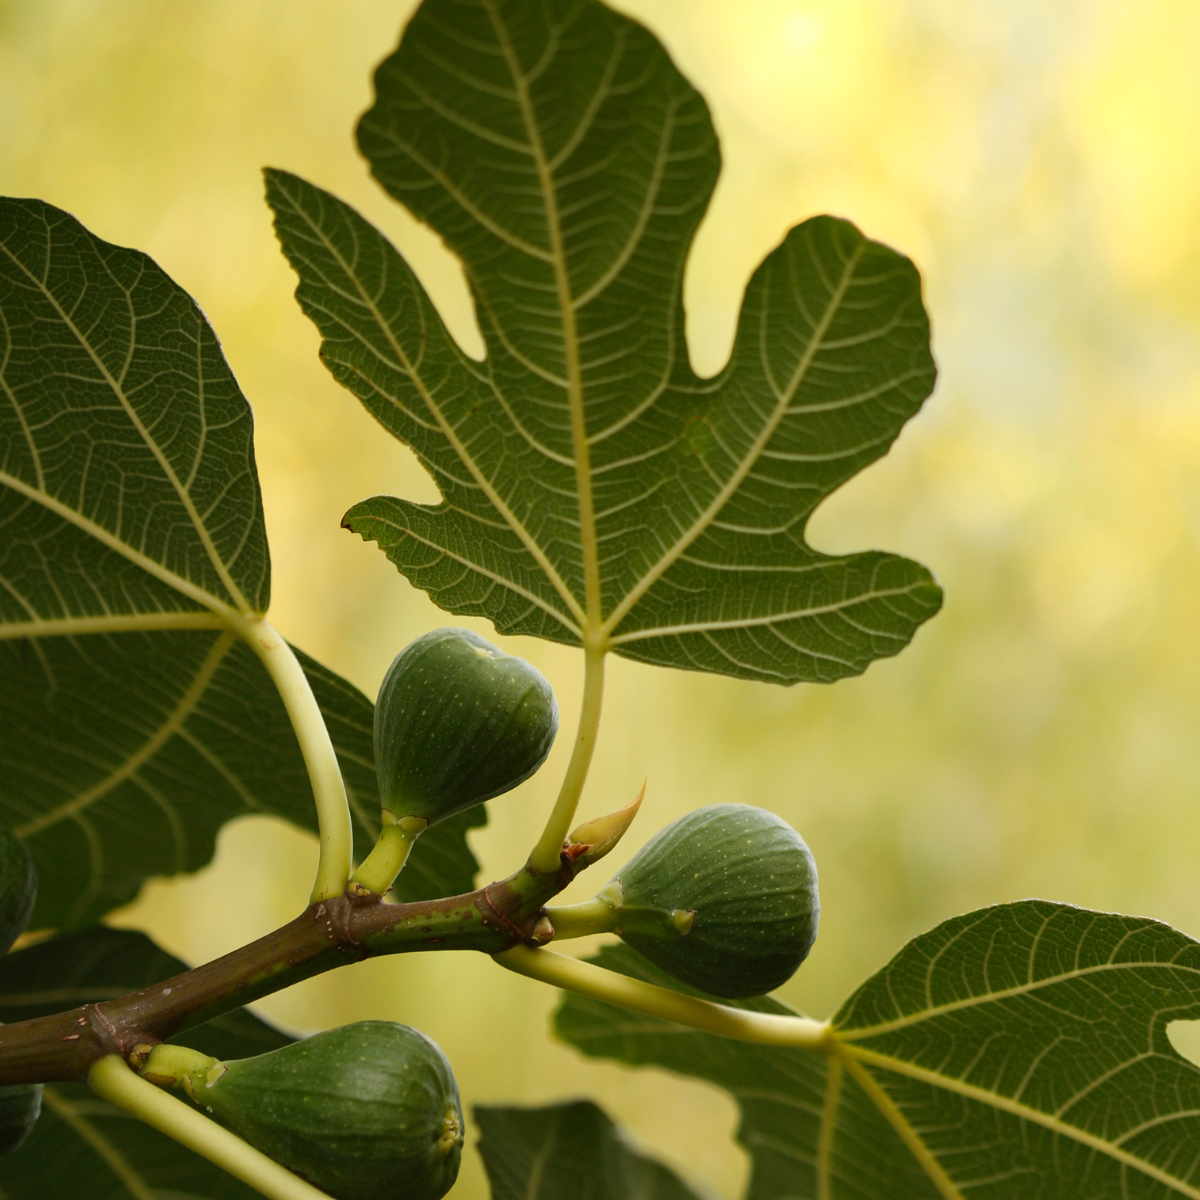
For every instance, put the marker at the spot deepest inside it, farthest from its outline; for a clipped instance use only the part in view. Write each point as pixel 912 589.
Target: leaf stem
pixel 770 1029
pixel 597 915
pixel 113 1081
pixel 329 790
pixel 545 856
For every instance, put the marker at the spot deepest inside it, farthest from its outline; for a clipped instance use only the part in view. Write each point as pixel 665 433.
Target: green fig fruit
pixel 20 1107
pixel 457 722
pixel 366 1112
pixel 18 888
pixel 724 899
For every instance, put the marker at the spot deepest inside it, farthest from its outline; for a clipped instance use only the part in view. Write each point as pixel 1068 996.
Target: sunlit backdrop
pixel 1041 163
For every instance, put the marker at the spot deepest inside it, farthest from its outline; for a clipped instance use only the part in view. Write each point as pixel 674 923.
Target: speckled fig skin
pixel 750 882
pixel 18 889
pixel 369 1111
pixel 457 722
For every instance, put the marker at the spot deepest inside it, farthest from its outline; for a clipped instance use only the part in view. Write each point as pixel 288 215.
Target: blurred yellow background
pixel 1041 163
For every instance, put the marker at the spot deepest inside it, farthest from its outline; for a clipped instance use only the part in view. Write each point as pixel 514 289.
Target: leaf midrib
pixel 167 729
pixel 816 610
pixel 147 564
pixel 448 431
pixel 591 618
pixel 752 455
pixel 112 1158
pixel 118 391
pixel 865 1057
pixel 858 1033
pixel 124 623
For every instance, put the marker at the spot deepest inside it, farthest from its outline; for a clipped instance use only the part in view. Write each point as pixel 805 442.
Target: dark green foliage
pixel 20 1107
pixel 171 734
pixel 750 882
pixel 457 722
pixel 81 1147
pixel 555 148
pixel 18 888
pixel 129 503
pixel 1014 1053
pixel 369 1111
pixel 127 477
pixel 569 1151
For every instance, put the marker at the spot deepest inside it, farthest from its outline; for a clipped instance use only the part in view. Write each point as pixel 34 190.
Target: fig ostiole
pixel 458 721
pixel 369 1111
pixel 724 899
pixel 18 888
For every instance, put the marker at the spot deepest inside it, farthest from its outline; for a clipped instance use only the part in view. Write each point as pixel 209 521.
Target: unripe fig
pixel 457 722
pixel 366 1112
pixel 18 888
pixel 20 1107
pixel 724 899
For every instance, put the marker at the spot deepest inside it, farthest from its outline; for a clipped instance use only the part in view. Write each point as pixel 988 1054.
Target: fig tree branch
pixel 333 933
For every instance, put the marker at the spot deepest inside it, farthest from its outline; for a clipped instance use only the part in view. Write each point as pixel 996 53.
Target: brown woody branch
pixel 333 933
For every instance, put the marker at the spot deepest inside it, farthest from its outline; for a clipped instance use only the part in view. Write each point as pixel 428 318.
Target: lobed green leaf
pixel 569 1149
pixel 133 724
pixel 1019 1050
pixel 590 478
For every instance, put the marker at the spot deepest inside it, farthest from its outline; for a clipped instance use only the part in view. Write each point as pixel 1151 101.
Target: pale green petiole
pixel 324 772
pixel 771 1029
pixel 113 1081
pixel 391 852
pixel 597 915
pixel 545 856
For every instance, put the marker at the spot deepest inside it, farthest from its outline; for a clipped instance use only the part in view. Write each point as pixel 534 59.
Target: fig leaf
pixel 590 477
pixel 1019 1050
pixel 547 1153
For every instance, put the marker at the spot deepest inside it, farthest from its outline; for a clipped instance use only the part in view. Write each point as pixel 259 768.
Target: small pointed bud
pixel 136 1057
pixel 542 932
pixel 592 840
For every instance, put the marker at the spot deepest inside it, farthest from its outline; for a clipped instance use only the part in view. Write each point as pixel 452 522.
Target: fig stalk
pixel 380 868
pixel 597 915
